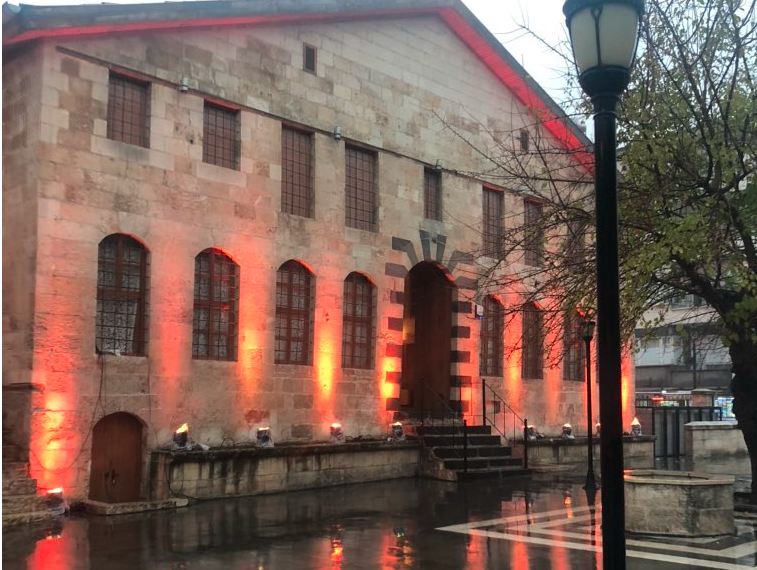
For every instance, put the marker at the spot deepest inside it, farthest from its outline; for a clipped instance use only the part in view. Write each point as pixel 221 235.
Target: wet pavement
pixel 518 523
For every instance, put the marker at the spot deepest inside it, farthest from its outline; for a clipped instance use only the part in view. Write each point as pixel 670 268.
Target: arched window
pixel 358 322
pixel 216 306
pixel 492 331
pixel 532 342
pixel 121 325
pixel 295 301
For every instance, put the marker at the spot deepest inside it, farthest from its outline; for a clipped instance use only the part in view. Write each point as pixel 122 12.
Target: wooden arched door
pixel 116 472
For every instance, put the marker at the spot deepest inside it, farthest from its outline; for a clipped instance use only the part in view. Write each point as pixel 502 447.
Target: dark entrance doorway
pixel 116 472
pixel 427 328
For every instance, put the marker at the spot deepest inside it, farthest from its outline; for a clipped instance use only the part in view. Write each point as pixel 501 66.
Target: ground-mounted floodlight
pixel 337 433
pixel 603 35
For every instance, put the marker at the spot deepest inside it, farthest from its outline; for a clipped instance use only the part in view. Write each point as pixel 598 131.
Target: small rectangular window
pixel 432 194
pixel 308 57
pixel 128 110
pixel 221 136
pixel 525 141
pixel 492 230
pixel 532 233
pixel 297 193
pixel 361 197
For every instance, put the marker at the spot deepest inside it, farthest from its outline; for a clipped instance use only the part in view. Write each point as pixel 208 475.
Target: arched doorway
pixel 427 328
pixel 116 470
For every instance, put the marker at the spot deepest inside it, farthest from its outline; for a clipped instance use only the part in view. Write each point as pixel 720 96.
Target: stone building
pixel 240 214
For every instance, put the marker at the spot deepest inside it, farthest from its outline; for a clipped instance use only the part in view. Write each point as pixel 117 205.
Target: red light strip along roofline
pixel 517 84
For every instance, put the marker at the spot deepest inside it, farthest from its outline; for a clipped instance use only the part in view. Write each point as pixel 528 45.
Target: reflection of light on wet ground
pixel 577 530
pixel 514 525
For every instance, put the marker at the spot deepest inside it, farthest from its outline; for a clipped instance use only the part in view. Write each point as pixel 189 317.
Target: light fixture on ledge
pixel 337 133
pixel 264 437
pixel 398 433
pixel 184 84
pixel 337 434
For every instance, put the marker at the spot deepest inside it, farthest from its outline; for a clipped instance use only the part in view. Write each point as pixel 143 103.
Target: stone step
pixel 458 440
pixel 19 486
pixel 492 472
pixel 473 451
pixel 15 470
pixel 26 518
pixel 453 430
pixel 458 464
pixel 17 504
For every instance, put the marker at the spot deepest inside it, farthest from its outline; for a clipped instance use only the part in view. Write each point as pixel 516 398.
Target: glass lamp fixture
pixel 604 35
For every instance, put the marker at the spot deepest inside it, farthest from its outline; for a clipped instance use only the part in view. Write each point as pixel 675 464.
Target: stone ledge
pixel 285 450
pixel 98 508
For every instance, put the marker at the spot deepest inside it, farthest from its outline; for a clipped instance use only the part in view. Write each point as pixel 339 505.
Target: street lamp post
pixel 604 34
pixel 587 333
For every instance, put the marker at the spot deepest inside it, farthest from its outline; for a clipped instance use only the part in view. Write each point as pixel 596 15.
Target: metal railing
pixel 436 411
pixel 499 405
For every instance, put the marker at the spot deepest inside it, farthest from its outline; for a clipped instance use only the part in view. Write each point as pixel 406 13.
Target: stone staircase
pixel 21 504
pixel 444 449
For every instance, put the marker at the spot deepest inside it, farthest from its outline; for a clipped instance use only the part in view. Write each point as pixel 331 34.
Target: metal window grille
pixel 297 192
pixel 358 322
pixel 121 322
pixel 216 306
pixel 221 136
pixel 532 242
pixel 492 222
pixel 492 331
pixel 532 343
pixel 309 54
pixel 128 111
pixel 573 348
pixel 361 200
pixel 295 294
pixel 432 194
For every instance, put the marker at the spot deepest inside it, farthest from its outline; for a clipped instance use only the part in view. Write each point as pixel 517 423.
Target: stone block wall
pixel 254 471
pixel 716 447
pixel 395 86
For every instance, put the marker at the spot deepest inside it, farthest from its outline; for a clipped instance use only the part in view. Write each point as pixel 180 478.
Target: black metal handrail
pixel 493 421
pixel 446 413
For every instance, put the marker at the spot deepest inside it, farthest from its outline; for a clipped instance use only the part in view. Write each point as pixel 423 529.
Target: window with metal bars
pixel 492 333
pixel 295 303
pixel 532 343
pixel 297 192
pixel 533 248
pixel 432 194
pixel 573 348
pixel 121 322
pixel 216 306
pixel 492 238
pixel 358 322
pixel 128 110
pixel 221 136
pixel 361 198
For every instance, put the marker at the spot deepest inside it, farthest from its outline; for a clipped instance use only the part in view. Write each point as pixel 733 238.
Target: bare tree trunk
pixel 744 388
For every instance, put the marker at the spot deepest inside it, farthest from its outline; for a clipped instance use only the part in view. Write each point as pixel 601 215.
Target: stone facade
pixel 395 85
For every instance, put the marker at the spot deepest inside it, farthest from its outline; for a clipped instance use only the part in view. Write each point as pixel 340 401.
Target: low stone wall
pixel 555 453
pixel 678 503
pixel 239 471
pixel 716 447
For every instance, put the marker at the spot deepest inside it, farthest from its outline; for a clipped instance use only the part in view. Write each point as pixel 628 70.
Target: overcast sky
pixel 502 17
